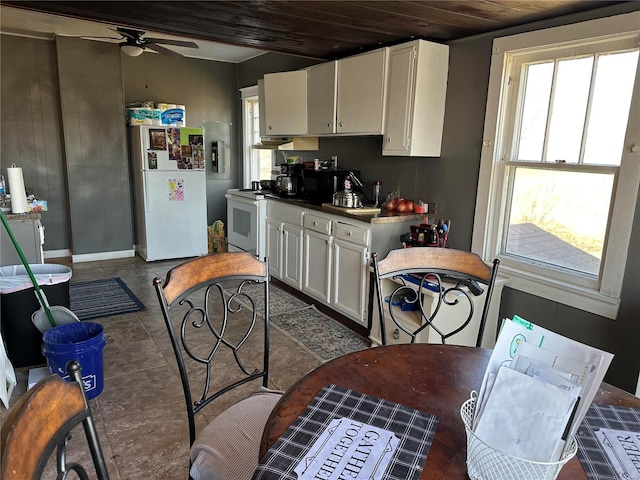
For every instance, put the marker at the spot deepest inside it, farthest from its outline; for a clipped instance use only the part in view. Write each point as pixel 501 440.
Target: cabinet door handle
pixel 327 241
pixel 349 233
pixel 270 127
pixel 388 139
pixel 340 124
pixel 328 125
pixel 315 224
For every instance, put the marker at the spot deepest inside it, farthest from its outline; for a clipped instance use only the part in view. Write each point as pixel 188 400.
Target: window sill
pixel 586 299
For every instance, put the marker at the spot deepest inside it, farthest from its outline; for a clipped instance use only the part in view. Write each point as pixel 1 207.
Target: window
pixel 257 163
pixel 560 170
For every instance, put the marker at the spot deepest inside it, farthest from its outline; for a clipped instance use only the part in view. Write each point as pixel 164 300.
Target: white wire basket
pixel 486 463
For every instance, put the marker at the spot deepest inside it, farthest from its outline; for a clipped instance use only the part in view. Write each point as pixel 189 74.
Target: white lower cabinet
pixel 284 242
pixel 318 268
pixel 29 234
pixel 335 264
pixel 327 256
pixel 292 255
pixel 274 247
pixel 350 262
pixel 317 265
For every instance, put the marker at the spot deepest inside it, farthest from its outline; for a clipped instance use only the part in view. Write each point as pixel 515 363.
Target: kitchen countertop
pixel 23 216
pixel 384 216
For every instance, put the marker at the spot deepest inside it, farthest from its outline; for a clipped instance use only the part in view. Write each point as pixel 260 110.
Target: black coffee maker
pixel 289 184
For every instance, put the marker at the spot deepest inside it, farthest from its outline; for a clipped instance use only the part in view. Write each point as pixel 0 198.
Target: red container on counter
pixel 419 207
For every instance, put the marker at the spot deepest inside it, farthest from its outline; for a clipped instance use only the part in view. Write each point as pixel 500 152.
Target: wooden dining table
pixel 436 379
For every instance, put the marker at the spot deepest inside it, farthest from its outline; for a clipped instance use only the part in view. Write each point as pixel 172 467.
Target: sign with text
pixel 623 450
pixel 348 449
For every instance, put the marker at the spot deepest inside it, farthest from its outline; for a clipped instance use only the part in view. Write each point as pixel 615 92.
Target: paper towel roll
pixel 17 191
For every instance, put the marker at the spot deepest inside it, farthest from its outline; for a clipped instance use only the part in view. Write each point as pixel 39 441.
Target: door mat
pixel 102 298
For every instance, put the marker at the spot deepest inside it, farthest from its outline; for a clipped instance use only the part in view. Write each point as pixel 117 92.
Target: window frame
pixel 247 140
pixel 248 93
pixel 602 299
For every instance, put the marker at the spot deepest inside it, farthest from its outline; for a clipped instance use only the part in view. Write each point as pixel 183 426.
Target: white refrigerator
pixel 169 191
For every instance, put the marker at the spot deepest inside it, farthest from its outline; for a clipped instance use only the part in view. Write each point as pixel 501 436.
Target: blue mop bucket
pixel 81 341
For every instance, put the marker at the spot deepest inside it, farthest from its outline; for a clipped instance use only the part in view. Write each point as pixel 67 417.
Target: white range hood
pixel 287 143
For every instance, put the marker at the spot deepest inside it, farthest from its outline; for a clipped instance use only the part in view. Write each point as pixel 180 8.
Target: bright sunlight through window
pixel 575 112
pixel 257 163
pixel 558 184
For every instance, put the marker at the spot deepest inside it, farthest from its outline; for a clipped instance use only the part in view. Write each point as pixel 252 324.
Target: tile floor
pixel 140 415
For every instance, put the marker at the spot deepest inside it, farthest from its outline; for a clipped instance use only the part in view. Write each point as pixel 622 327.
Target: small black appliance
pixel 289 184
pixel 320 185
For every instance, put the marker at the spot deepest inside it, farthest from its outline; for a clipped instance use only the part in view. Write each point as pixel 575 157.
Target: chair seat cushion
pixel 228 448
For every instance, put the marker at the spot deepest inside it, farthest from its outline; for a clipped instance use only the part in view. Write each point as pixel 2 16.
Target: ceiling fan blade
pixel 94 38
pixel 129 33
pixel 164 51
pixel 176 43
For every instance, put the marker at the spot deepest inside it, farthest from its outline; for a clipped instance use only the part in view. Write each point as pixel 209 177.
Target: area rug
pixel 323 336
pixel 102 298
pixel 279 300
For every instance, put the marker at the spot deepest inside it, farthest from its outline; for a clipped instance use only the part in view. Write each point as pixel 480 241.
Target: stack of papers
pixel 536 390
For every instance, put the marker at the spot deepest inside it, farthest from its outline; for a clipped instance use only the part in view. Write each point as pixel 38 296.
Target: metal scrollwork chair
pixel 42 421
pixel 424 282
pixel 216 310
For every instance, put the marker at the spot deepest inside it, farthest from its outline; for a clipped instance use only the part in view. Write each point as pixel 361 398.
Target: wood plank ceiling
pixel 323 30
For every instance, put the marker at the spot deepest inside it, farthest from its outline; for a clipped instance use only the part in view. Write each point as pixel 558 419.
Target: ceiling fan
pixel 134 43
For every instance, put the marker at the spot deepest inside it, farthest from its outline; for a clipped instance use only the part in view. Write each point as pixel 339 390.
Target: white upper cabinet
pixel 321 98
pixel 285 103
pixel 398 92
pixel 416 95
pixel 361 92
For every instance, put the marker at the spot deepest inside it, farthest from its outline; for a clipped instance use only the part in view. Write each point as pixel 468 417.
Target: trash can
pixel 18 301
pixel 81 341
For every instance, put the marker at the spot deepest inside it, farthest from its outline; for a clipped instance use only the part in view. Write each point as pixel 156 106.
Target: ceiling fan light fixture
pixel 132 50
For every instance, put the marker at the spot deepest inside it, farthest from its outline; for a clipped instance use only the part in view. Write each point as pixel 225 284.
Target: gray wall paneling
pixel 209 92
pixel 31 131
pixel 92 99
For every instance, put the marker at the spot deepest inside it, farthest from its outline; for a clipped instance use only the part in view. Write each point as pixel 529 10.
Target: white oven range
pixel 247 221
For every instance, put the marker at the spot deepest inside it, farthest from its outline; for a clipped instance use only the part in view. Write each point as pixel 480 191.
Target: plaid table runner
pixel 592 456
pixel 415 430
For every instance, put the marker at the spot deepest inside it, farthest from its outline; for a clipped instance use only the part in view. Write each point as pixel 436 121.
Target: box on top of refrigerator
pixel 173 116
